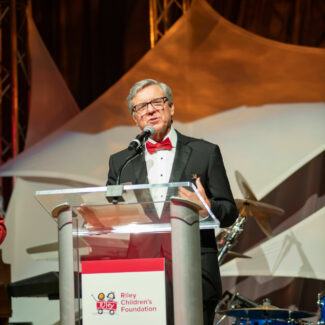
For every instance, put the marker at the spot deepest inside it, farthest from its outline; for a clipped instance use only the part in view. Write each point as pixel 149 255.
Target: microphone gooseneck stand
pixel 127 161
pixel 136 146
pixel 134 155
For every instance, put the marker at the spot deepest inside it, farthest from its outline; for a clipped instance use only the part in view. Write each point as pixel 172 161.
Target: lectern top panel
pixel 121 209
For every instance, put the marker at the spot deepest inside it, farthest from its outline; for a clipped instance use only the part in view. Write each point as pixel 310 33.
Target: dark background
pixel 94 42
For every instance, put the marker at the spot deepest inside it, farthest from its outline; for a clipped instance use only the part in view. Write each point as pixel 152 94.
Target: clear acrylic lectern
pixel 97 220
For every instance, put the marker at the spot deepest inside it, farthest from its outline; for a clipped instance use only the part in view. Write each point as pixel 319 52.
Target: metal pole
pixel 185 5
pixel 66 272
pixel 14 79
pixel 187 277
pixel 152 20
pixel 1 60
pixel 165 13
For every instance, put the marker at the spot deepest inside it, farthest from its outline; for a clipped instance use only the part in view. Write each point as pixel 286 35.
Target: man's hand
pixel 182 192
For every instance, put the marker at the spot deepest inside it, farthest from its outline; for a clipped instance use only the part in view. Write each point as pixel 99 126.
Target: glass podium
pixel 101 223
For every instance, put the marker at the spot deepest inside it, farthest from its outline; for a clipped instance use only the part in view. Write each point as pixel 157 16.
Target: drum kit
pixel 242 309
pixel 267 314
pixel 248 208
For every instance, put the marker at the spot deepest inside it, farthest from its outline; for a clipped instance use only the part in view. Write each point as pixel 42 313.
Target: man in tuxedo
pixel 169 157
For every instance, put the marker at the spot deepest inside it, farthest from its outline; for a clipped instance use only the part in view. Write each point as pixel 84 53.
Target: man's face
pixel 159 119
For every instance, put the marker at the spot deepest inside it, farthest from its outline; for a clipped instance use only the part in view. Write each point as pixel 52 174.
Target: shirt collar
pixel 172 135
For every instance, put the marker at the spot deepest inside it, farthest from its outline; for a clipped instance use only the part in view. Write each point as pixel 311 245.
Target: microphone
pixel 141 138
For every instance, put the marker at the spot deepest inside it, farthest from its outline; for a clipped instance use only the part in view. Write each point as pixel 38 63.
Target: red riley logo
pixel 108 304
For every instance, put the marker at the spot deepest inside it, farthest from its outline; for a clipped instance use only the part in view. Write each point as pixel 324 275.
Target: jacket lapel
pixel 140 170
pixel 141 177
pixel 182 156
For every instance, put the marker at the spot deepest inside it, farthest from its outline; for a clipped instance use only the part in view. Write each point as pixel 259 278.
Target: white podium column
pixel 66 272
pixel 186 255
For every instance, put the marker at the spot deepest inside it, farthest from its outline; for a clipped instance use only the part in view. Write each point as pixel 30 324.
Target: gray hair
pixel 145 83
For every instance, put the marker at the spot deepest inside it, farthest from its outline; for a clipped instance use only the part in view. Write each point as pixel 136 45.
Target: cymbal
pixel 256 208
pixel 260 211
pixel 267 312
pixel 244 187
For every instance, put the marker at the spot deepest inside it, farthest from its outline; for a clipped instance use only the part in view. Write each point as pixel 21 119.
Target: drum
pixel 242 321
pixel 321 305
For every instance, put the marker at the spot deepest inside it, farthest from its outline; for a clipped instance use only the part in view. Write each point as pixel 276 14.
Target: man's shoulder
pixel 196 142
pixel 123 154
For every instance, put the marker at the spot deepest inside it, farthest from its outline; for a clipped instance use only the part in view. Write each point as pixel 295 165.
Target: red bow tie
pixel 164 145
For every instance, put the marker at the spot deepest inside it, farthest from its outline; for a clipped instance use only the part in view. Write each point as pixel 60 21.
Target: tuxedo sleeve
pixel 218 190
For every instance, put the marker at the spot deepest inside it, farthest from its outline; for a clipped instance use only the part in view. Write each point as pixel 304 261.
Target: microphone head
pixel 149 129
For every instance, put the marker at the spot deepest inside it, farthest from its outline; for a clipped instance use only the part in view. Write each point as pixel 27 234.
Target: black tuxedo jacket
pixel 192 157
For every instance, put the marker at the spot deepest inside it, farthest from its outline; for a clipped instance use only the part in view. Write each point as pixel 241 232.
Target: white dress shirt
pixel 159 167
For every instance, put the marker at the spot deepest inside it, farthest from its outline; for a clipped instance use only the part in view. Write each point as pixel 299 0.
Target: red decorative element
pixel 3 230
pixel 164 145
pixel 119 266
pixel 106 305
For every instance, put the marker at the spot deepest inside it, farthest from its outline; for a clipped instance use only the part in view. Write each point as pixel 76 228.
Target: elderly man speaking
pixel 170 156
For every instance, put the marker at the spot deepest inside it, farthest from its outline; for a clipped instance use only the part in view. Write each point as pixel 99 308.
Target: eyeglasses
pixel 157 103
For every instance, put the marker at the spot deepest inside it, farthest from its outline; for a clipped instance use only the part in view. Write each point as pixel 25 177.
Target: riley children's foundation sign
pixel 124 292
